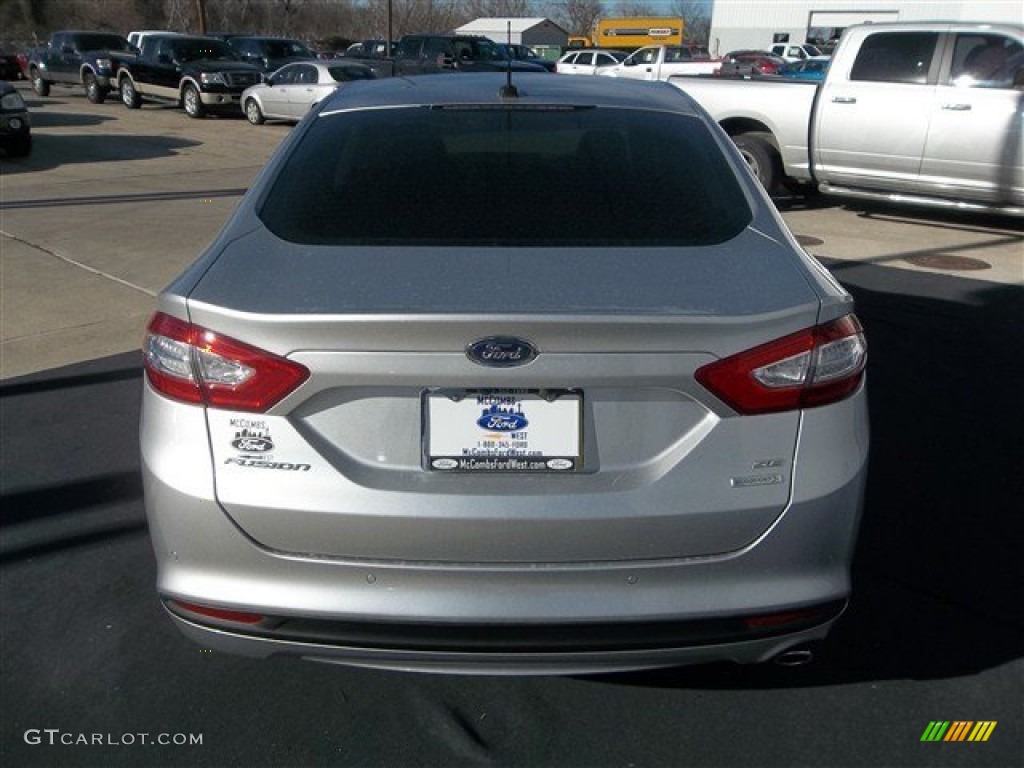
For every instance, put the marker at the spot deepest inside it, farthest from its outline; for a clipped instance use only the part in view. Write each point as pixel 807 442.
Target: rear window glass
pixel 506 176
pixel 102 43
pixel 895 57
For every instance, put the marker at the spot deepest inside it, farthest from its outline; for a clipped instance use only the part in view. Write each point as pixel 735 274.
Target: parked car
pixel 138 36
pixel 750 64
pixel 588 61
pixel 11 63
pixel 75 58
pixel 201 74
pixel 405 412
pixel 270 53
pixel 15 124
pixel 526 53
pixel 371 49
pixel 901 117
pixel 427 54
pixel 809 69
pixel 660 62
pixel 791 52
pixel 291 92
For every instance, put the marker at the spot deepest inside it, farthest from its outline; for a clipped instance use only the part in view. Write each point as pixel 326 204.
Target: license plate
pixel 505 432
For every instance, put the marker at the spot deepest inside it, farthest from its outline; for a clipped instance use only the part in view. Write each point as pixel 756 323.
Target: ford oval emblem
pixel 498 418
pixel 501 352
pixel 250 444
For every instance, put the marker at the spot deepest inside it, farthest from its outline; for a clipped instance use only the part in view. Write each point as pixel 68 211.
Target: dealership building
pixel 737 24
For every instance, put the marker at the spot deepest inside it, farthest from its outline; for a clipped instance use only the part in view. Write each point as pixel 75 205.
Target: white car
pixel 801 52
pixel 588 62
pixel 290 92
pixel 136 37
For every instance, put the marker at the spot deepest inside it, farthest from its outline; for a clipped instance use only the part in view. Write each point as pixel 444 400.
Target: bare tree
pixel 629 9
pixel 477 9
pixel 697 16
pixel 578 17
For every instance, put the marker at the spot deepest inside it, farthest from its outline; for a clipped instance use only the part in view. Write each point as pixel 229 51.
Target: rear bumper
pixel 514 618
pixel 516 649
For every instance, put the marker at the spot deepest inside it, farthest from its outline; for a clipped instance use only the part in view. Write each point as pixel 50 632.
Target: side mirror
pixel 629 62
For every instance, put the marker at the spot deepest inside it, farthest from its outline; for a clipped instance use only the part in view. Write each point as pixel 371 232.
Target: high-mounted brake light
pixel 195 365
pixel 813 367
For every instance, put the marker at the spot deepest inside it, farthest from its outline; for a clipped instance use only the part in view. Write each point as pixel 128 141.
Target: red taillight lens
pixel 219 613
pixel 195 365
pixel 813 367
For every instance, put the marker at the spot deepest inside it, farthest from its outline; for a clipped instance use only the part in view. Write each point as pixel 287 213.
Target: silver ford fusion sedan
pixel 408 412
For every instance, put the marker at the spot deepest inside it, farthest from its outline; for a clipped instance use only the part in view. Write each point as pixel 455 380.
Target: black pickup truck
pixel 428 54
pixel 86 59
pixel 201 74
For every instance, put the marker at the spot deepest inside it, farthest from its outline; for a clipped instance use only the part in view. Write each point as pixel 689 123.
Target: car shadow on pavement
pixel 938 578
pixel 70 454
pixel 54 150
pixel 46 119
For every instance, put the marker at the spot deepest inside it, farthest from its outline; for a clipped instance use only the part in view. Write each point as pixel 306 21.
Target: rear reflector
pixel 218 613
pixel 194 365
pixel 813 367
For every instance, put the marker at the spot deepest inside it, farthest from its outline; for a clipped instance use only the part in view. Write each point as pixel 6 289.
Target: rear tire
pixel 762 158
pixel 129 96
pixel 40 86
pixel 192 102
pixel 253 112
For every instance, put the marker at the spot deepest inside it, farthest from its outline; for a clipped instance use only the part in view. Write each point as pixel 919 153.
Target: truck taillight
pixel 194 365
pixel 810 368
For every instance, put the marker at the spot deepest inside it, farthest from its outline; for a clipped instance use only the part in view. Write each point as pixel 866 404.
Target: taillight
pixel 813 367
pixel 195 365
pixel 219 613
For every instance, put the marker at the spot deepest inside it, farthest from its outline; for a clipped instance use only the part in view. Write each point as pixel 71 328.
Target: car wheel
pixel 253 112
pixel 192 103
pixel 762 157
pixel 40 86
pixel 95 92
pixel 129 96
pixel 19 146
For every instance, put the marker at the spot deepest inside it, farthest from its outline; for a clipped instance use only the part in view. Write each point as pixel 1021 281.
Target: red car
pixel 750 64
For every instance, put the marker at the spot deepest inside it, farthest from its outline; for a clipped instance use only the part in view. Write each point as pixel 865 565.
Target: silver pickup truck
pixel 927 113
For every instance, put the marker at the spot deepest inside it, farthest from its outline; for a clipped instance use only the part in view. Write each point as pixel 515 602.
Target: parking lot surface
pixel 113 204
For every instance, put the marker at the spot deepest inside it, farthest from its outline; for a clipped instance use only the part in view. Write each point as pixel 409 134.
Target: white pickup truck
pixel 660 62
pixel 925 113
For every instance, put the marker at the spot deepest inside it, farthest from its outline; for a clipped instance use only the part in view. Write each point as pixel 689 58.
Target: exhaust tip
pixel 795 657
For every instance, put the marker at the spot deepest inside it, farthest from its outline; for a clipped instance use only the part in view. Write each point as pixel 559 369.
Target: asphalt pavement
pixel 93 673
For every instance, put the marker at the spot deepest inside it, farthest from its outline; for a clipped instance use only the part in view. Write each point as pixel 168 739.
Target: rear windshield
pixel 344 74
pixel 506 176
pixel 97 42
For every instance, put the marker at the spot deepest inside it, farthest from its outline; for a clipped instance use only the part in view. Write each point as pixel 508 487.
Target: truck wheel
pixel 40 86
pixel 95 92
pixel 762 157
pixel 129 96
pixel 192 103
pixel 253 112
